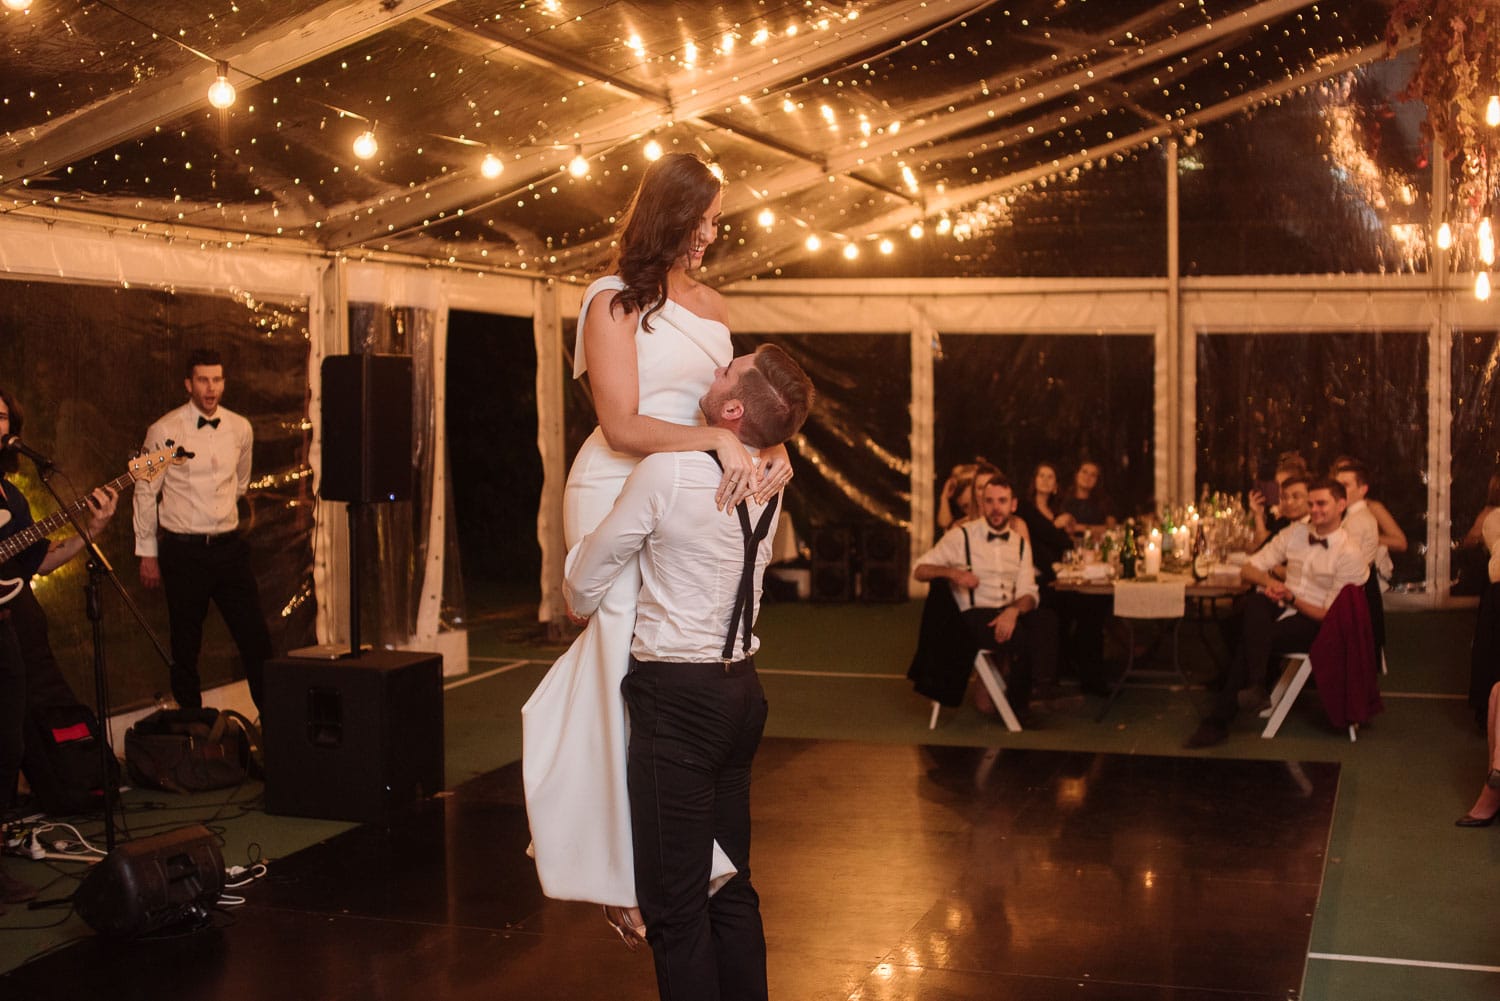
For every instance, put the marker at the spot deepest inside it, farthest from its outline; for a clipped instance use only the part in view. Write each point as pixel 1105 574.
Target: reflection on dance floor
pixel 886 872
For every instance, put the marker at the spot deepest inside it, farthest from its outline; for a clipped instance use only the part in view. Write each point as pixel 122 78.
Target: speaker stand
pixel 353 507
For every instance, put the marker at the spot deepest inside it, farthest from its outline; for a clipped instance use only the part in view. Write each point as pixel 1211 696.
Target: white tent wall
pixel 920 308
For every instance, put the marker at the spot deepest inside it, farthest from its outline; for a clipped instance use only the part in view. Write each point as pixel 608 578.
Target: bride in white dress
pixel 650 337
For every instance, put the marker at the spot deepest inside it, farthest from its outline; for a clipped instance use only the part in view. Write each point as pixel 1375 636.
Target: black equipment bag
pixel 61 759
pixel 192 750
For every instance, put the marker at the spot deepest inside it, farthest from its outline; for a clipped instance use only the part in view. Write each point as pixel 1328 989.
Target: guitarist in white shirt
pixel 15 576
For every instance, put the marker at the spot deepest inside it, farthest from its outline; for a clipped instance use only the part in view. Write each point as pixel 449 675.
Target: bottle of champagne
pixel 1202 559
pixel 1127 552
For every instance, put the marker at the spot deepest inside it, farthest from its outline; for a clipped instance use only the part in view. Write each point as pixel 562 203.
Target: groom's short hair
pixel 777 396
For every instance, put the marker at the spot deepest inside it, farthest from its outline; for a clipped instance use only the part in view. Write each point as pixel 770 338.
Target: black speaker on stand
pixel 884 553
pixel 832 563
pixel 367 428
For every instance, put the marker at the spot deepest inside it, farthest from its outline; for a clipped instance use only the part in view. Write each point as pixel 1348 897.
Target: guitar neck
pixel 29 536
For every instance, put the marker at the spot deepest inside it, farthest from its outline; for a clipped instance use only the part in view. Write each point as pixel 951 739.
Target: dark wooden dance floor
pixel 886 872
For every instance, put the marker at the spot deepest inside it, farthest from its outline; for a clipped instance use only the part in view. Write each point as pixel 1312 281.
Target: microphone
pixel 13 443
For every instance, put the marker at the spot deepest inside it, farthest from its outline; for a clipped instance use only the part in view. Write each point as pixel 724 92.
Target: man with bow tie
pixel 1285 616
pixel 187 529
pixel 988 568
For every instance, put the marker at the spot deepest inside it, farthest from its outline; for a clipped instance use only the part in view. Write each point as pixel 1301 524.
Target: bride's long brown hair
pixel 658 229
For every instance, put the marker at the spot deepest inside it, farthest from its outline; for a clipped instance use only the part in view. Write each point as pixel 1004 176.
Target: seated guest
pixel 1045 522
pixel 1355 477
pixel 990 574
pixel 1285 617
pixel 1293 508
pixel 1487 806
pixel 1087 503
pixel 956 503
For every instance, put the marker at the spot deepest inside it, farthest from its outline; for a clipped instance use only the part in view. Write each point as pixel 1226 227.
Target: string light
pixel 365 145
pixel 886 246
pixel 18 5
pixel 766 218
pixel 652 152
pixel 491 166
pixel 916 232
pixel 221 92
pixel 944 226
pixel 851 251
pixel 578 166
pixel 1445 237
pixel 1486 242
pixel 1482 287
pixel 717 171
pixel 1492 111
pixel 812 243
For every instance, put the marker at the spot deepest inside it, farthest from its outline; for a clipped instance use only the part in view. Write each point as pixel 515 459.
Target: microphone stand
pixel 99 569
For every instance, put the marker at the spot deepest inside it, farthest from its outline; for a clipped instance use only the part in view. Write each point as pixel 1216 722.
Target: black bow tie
pixel 212 422
pixel 1002 536
pixel 1313 540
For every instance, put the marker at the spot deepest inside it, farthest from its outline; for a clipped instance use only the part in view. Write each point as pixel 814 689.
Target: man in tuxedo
pixel 187 530
pixel 695 703
pixel 1285 616
pixel 988 567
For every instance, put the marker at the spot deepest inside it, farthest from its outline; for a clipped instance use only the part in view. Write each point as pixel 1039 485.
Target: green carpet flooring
pixel 1408 901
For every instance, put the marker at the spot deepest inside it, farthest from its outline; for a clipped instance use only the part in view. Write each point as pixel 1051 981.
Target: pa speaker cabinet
pixel 154 883
pixel 355 739
pixel 884 553
pixel 832 563
pixel 367 428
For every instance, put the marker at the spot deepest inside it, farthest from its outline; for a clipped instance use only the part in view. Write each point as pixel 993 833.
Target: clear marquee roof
pixel 1019 136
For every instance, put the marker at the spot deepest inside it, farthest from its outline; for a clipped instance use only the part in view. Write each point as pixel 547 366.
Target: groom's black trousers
pixel 694 730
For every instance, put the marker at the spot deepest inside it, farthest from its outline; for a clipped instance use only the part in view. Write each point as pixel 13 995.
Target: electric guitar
pixel 146 466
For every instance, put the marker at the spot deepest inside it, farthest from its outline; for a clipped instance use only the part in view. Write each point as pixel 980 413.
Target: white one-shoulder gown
pixel 574 728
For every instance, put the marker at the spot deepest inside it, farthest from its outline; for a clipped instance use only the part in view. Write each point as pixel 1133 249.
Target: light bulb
pixel 1482 287
pixel 221 91
pixel 886 246
pixel 717 171
pixel 1445 236
pixel 944 226
pixel 652 151
pixel 766 218
pixel 1492 111
pixel 365 145
pixel 18 4
pixel 850 251
pixel 1486 242
pixel 578 166
pixel 812 242
pixel 491 166
pixel 726 44
pixel 916 232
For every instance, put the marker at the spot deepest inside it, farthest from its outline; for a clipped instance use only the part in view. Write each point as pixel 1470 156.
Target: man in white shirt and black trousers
pixel 990 570
pixel 695 703
pixel 187 530
pixel 1284 617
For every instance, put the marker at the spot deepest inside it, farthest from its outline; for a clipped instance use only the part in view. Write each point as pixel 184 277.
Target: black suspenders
pixel 745 600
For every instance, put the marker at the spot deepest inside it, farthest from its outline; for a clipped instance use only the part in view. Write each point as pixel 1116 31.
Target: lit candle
pixel 1153 556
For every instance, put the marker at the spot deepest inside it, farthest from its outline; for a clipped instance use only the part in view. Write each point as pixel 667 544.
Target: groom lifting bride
pixel 695 703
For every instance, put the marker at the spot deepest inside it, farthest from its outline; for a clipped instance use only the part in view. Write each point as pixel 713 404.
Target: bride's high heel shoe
pixel 627 924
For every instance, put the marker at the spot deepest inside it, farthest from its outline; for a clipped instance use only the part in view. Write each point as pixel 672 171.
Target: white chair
pixel 994 683
pixel 1284 695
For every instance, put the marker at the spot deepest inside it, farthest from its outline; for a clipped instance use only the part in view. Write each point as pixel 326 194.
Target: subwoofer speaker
pixel 152 884
pixel 884 553
pixel 367 428
pixel 354 739
pixel 832 563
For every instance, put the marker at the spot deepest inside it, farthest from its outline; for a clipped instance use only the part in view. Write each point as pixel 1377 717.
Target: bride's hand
pixel 739 472
pixel 775 473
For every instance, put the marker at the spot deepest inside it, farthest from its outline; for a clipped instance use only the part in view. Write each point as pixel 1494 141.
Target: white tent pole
pixel 1174 452
pixel 430 601
pixel 923 462
pixel 551 443
pixel 1439 534
pixel 330 522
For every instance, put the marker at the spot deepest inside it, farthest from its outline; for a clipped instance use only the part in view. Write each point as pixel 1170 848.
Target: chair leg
pixel 1119 685
pixel 1353 732
pixel 1298 669
pixel 1383 668
pixel 936 708
pixel 993 683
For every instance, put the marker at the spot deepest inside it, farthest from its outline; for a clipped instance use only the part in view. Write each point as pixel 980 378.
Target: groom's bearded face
pixel 725 387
